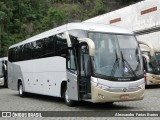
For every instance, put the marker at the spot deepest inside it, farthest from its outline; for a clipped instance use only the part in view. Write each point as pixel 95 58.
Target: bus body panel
pixel 42 76
pixel 14 74
pixel 72 86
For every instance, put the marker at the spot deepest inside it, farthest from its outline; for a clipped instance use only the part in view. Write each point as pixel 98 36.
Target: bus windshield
pixel 157 56
pixel 154 66
pixel 116 55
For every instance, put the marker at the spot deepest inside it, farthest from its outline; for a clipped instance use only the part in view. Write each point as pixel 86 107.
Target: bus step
pixel 86 96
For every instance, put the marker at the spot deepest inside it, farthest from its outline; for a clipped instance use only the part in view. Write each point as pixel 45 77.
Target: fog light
pixel 101 96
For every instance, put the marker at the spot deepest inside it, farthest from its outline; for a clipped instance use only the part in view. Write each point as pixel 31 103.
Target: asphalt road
pixel 10 101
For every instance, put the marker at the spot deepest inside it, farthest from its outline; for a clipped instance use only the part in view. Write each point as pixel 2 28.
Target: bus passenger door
pixel 72 74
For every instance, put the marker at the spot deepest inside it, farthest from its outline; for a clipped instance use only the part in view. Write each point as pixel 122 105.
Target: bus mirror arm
pixel 90 44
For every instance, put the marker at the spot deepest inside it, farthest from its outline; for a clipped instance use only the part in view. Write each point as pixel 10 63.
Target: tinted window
pixel 20 53
pixel 39 48
pixel 26 52
pixel 55 45
pixel 50 46
pixel 60 45
pixel 10 56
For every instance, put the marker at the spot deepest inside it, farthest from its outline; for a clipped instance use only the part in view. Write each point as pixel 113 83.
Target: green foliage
pixel 55 17
pixel 99 8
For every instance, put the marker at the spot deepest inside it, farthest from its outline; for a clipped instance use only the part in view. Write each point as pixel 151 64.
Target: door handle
pixel 68 80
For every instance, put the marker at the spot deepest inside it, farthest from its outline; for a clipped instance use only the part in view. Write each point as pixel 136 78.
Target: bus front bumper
pixel 102 96
pixel 1 81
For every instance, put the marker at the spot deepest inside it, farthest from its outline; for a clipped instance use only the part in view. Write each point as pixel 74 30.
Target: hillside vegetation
pixel 20 19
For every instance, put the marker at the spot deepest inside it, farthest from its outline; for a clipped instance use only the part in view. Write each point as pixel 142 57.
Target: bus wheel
pixel 67 100
pixel 20 90
pixel 5 84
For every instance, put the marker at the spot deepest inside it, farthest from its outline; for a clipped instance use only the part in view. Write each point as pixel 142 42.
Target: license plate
pixel 124 96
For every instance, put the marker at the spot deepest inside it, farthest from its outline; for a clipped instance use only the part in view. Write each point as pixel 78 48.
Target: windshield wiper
pixel 124 60
pixel 138 60
pixel 116 63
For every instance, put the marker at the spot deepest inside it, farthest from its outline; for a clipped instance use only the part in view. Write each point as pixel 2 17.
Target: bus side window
pixel 11 55
pixel 60 45
pixel 71 61
pixel 49 46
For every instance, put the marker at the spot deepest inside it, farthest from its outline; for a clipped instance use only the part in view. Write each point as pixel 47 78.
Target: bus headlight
pixel 141 86
pixel 99 85
pixel 101 96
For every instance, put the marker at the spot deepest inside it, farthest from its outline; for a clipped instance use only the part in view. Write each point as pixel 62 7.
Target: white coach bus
pixel 80 62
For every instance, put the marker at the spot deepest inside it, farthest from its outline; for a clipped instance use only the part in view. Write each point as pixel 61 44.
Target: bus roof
pixel 4 58
pixel 97 27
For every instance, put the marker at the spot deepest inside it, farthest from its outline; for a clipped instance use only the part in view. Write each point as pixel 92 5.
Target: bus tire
pixel 5 84
pixel 67 100
pixel 20 89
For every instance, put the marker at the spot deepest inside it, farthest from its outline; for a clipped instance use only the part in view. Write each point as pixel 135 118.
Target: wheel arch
pixel 18 82
pixel 63 87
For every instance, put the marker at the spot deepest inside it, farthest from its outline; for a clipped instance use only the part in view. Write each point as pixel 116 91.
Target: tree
pixel 3 18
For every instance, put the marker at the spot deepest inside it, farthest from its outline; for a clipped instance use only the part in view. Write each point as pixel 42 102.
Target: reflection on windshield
pixel 131 52
pixel 108 59
pixel 157 57
pixel 153 66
